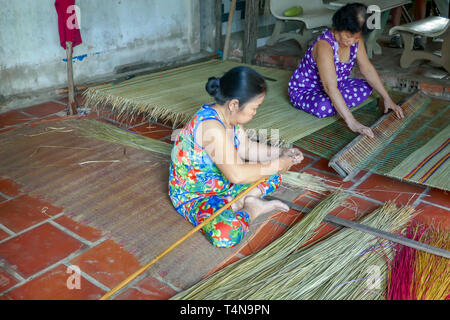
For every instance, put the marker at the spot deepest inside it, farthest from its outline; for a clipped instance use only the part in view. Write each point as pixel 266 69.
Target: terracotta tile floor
pixel 39 243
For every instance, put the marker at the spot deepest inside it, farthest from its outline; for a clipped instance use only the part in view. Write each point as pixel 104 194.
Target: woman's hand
pixel 355 126
pixel 389 104
pixel 294 153
pixel 285 163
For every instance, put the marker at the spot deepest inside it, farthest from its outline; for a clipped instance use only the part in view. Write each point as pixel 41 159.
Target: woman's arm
pixel 373 79
pixel 323 55
pixel 219 145
pixel 254 151
pixel 262 152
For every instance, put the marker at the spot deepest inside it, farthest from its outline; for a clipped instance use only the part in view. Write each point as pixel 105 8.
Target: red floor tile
pixel 287 218
pixel 9 187
pixel 269 232
pixel 6 280
pixel 440 197
pixel 331 180
pixel 222 265
pixel 53 285
pixel 152 130
pixel 23 212
pixel 44 109
pixel 148 288
pixel 359 175
pixel 361 206
pixel 5 130
pixel 78 98
pixel 83 231
pixel 305 162
pixel 322 164
pixel 37 249
pixel 108 263
pixel 13 117
pixel 382 188
pixel 434 216
pixel 3 235
pixel 122 120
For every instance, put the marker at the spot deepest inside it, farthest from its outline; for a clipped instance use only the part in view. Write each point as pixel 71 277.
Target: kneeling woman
pixel 208 167
pixel 321 84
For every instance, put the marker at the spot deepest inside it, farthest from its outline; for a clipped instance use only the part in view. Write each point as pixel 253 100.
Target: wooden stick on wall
pixel 251 30
pixel 229 25
pixel 72 103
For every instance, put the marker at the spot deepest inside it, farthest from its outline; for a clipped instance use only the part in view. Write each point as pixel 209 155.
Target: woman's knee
pixel 227 232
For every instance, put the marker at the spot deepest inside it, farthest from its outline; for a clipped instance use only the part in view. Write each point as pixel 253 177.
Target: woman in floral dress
pixel 213 160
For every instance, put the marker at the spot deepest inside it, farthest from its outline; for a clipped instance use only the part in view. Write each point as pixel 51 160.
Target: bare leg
pixel 255 206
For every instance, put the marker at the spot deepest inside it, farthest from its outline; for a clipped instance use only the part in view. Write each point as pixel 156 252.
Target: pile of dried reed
pixel 345 265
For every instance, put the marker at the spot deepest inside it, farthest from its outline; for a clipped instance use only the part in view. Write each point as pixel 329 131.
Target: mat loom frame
pixel 334 161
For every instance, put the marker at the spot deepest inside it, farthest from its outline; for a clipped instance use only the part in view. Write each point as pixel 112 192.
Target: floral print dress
pixel 198 188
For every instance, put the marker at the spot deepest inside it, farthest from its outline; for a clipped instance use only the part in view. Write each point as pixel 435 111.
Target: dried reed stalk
pixel 110 133
pixel 307 181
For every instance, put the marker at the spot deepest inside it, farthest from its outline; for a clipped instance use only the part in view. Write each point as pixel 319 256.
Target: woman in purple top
pixel 321 84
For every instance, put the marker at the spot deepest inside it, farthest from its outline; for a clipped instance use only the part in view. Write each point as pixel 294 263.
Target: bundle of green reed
pixel 345 265
pixel 244 271
pixel 107 132
pixel 308 181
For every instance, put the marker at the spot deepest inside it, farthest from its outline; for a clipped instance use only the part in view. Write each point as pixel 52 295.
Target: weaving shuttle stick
pixel 347 170
pixel 178 242
pixel 338 221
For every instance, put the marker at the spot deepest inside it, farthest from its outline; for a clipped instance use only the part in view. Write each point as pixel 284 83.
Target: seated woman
pixel 208 167
pixel 321 85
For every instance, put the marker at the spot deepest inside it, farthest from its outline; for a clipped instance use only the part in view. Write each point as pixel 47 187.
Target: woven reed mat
pixel 178 93
pixel 118 189
pixel 420 131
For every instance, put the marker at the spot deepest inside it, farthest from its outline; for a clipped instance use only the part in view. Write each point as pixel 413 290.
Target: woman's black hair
pixel 241 83
pixel 352 17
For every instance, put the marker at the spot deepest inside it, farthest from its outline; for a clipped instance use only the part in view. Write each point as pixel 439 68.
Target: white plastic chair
pixel 315 16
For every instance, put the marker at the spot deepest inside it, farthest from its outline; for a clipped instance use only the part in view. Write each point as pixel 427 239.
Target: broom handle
pixel 181 240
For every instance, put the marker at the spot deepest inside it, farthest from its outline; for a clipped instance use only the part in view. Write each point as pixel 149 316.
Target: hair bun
pixel 213 86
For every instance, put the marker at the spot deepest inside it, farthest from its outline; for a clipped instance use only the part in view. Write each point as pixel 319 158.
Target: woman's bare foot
pixel 256 206
pixel 238 205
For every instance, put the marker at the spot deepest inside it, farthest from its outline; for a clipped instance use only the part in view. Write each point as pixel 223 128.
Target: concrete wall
pixel 114 33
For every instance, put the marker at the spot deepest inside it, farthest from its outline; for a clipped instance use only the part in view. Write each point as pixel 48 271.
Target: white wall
pixel 114 33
